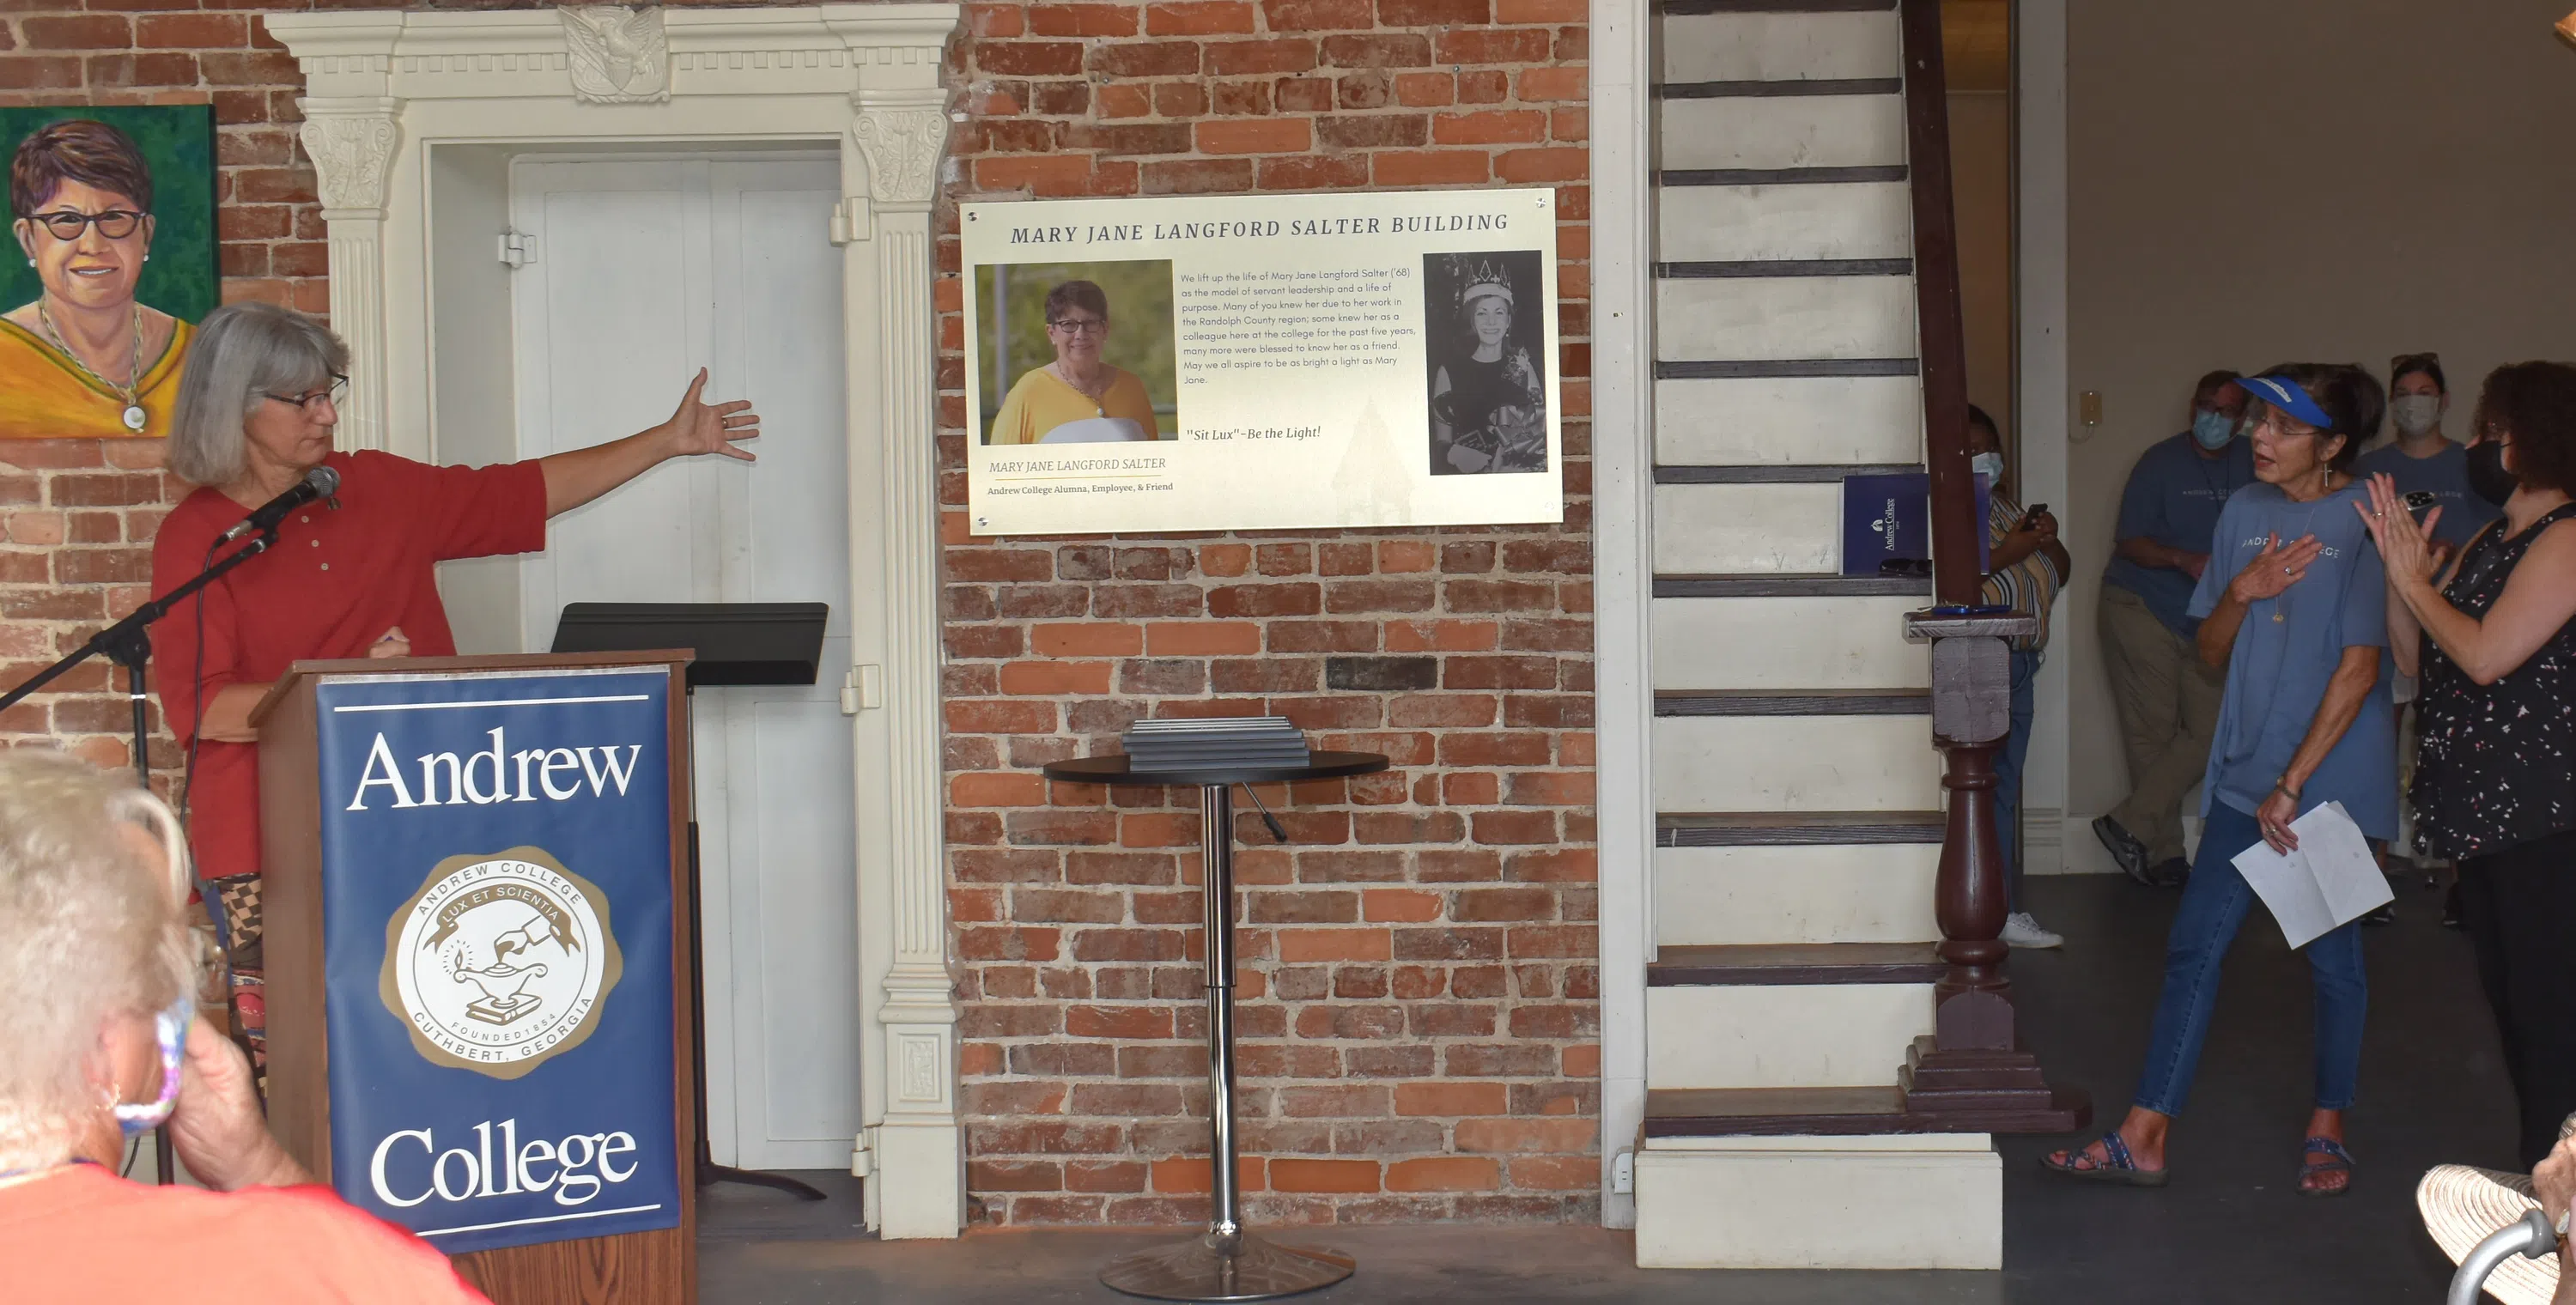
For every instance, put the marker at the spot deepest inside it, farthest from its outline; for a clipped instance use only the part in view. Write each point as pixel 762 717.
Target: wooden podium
pixel 483 799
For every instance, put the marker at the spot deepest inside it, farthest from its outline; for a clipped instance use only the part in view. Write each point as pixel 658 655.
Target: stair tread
pixel 1778 86
pixel 1780 964
pixel 1796 828
pixel 1775 473
pixel 1723 369
pixel 1841 1112
pixel 1790 584
pixel 1749 268
pixel 1793 702
pixel 1817 176
pixel 1705 8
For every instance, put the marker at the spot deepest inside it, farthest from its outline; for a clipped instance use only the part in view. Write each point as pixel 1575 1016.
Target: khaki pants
pixel 2168 701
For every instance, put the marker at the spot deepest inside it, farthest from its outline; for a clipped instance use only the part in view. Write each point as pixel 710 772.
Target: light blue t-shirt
pixel 2286 651
pixel 2445 476
pixel 2173 498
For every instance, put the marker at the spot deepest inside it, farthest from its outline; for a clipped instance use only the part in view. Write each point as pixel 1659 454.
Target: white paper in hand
pixel 2330 881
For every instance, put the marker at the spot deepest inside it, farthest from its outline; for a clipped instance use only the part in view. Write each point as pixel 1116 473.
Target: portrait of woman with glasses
pixel 1079 398
pixel 85 358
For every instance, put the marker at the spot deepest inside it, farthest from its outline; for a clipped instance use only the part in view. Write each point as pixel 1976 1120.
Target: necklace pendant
pixel 135 417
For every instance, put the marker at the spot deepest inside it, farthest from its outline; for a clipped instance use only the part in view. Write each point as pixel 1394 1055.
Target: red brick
pixel 1444 1174
pixel 84 32
pixel 191 31
pixel 1527 1136
pixel 1265 136
pixel 1308 946
pixel 998 790
pixel 1186 1175
pixel 1203 638
pixel 1400 905
pixel 1134 1022
pixel 1093 639
pixel 1317 15
pixel 1553 163
pixel 1145 58
pixel 1232 58
pixel 1081 20
pixel 1029 58
pixel 1287 1175
pixel 1489 127
pixel 1198 17
pixel 1452 1099
pixel 1430 167
pixel 1425 13
pixel 1538 84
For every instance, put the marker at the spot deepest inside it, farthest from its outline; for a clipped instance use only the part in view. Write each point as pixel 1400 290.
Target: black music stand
pixel 735 643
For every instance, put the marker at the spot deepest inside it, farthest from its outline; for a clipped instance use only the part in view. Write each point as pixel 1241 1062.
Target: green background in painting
pixel 1140 341
pixel 178 142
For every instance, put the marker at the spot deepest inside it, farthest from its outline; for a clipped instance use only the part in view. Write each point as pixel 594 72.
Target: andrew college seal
pixel 500 962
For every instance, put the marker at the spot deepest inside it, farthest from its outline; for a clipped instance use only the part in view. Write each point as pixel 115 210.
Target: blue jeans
pixel 2025 679
pixel 2214 903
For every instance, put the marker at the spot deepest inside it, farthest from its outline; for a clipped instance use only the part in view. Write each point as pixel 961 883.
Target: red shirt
pixel 84 1236
pixel 333 584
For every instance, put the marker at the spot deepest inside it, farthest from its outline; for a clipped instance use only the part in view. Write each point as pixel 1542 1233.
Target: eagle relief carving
pixel 617 55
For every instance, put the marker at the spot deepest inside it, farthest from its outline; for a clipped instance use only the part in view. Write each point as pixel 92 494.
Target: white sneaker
pixel 2022 931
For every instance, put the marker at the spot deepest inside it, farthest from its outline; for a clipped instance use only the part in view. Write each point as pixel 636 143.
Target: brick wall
pixel 1418 996
pixel 1417 999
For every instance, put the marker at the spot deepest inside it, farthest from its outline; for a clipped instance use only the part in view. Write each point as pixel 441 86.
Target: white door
pixel 645 271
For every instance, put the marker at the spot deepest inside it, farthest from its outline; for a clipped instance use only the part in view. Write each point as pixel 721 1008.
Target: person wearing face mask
pixel 2429 470
pixel 2028 567
pixel 2167 697
pixel 100 1043
pixel 2492 635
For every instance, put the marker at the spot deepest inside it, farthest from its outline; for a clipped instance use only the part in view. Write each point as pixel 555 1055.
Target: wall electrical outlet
pixel 1623 1174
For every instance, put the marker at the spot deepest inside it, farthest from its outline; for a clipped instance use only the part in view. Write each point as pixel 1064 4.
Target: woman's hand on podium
pixel 216 1126
pixel 394 643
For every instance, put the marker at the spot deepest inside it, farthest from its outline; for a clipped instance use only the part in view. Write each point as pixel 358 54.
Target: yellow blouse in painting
pixel 44 395
pixel 1040 404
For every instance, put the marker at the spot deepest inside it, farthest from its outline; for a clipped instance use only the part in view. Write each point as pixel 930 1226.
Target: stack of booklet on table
pixel 1214 742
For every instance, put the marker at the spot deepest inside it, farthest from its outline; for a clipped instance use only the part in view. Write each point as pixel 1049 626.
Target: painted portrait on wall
pixel 113 213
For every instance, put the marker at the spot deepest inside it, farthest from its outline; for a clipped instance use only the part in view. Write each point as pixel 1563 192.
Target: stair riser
pixel 1786 643
pixel 1822 1035
pixel 1781 47
pixel 1880 1208
pixel 1748 529
pixel 1796 763
pixel 1741 896
pixel 1789 421
pixel 1776 318
pixel 1726 224
pixel 1782 131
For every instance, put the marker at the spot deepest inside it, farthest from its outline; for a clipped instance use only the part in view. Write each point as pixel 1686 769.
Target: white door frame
pixel 385 86
pixel 1623 573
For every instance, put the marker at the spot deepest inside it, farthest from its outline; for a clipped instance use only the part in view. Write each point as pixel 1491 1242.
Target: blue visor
pixel 2283 393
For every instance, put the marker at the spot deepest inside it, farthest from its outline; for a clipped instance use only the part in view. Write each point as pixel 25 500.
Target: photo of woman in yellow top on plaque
pixel 85 357
pixel 1081 397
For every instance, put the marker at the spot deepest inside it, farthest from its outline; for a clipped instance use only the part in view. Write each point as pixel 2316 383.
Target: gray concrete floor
pixel 2231 1228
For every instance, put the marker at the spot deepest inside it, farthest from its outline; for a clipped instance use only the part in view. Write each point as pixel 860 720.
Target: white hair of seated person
pixel 90 931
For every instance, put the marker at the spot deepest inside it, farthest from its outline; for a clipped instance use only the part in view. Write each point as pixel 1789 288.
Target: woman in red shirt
pixel 99 1043
pixel 351 577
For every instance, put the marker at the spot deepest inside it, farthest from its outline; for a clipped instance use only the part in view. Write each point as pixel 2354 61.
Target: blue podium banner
pixel 496 888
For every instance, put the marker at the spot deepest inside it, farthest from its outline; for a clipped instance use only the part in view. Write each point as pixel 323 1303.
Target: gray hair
pixel 242 353
pixel 89 930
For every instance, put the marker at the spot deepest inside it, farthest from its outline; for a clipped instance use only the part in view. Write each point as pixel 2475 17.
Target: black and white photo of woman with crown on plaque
pixel 1486 346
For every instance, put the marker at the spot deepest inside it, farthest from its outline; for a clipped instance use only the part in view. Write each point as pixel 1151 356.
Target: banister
pixel 1972 1074
pixel 1942 334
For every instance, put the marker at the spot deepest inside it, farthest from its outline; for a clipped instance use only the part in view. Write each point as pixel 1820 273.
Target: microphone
pixel 320 482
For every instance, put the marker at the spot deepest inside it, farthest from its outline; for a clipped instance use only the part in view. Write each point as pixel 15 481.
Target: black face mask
pixel 2487 475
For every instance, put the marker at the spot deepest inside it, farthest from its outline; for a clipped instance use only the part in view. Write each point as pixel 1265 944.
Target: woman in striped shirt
pixel 2026 567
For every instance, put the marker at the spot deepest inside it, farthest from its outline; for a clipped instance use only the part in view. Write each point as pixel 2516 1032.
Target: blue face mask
pixel 2212 430
pixel 135 1119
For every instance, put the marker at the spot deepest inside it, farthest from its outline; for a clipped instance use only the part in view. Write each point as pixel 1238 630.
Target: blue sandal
pixel 2117 1165
pixel 2338 1161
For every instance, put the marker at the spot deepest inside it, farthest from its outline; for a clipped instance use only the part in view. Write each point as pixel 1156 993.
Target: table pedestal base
pixel 1215 1267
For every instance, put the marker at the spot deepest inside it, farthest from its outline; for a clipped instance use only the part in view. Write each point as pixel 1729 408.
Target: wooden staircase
pixel 1820 1049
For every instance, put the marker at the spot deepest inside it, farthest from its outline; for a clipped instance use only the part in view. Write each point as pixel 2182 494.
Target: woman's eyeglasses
pixel 115 224
pixel 338 394
pixel 1081 325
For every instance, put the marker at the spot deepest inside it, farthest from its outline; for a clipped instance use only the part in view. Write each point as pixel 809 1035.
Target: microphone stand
pixel 128 643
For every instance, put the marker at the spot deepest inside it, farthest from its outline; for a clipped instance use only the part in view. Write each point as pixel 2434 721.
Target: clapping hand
pixel 701 427
pixel 2275 568
pixel 2404 546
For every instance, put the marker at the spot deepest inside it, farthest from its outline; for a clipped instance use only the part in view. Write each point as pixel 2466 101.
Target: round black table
pixel 1225 1263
